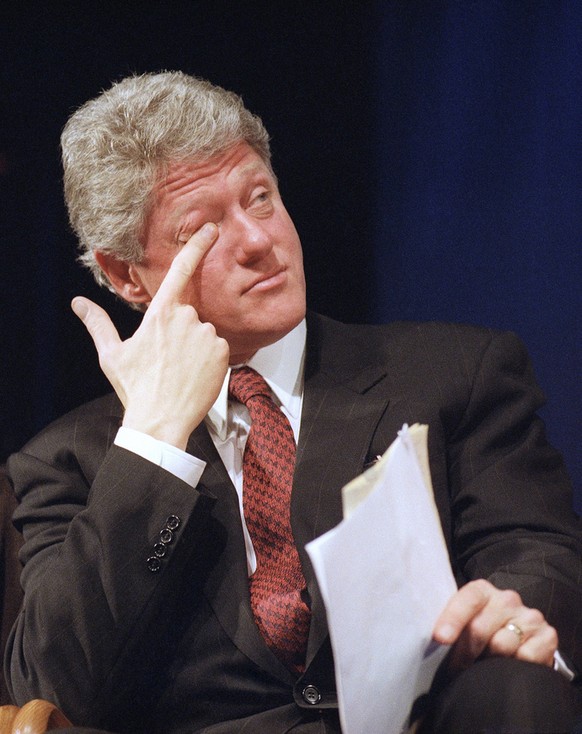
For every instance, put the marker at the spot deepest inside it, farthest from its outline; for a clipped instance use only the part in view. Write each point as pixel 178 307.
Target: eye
pixel 260 197
pixel 261 202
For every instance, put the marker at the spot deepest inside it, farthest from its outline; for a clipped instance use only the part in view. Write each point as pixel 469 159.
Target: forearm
pixel 546 577
pixel 511 495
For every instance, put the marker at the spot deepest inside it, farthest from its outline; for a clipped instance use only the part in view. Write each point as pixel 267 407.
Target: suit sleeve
pixel 99 579
pixel 511 497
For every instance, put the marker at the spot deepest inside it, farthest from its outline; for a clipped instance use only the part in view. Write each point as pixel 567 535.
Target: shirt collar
pixel 281 364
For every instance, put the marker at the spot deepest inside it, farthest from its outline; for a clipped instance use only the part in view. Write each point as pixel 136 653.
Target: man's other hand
pixel 483 620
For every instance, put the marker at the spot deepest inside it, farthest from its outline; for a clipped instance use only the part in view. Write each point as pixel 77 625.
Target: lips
pixel 268 281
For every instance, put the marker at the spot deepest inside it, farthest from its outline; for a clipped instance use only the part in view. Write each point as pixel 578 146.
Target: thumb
pixel 97 323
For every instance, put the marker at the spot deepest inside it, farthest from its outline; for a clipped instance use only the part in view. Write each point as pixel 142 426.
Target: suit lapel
pixel 342 405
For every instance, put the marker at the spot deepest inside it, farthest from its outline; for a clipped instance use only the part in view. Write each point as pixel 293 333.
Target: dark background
pixel 429 153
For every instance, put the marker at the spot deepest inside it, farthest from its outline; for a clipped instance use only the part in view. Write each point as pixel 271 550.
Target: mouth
pixel 268 281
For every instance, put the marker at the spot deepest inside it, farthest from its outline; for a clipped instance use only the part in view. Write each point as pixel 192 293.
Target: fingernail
pixel 209 229
pixel 446 633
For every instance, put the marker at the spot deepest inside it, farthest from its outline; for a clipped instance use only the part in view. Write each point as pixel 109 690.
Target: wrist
pixel 166 431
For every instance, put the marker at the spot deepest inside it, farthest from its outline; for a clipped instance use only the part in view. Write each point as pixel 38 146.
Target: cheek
pixel 153 269
pixel 151 280
pixel 288 235
pixel 208 289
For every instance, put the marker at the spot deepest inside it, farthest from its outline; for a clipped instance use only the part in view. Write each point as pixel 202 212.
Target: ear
pixel 123 277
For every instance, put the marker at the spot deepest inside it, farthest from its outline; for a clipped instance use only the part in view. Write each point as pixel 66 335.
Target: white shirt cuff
pixel 182 465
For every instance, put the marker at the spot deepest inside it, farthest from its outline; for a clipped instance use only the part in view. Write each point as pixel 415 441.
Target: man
pixel 143 609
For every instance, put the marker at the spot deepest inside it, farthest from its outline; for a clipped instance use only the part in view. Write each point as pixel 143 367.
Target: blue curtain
pixel 479 210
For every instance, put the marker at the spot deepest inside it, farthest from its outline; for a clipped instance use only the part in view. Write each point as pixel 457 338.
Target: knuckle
pixel 533 617
pixel 223 348
pixel 510 598
pixel 479 632
pixel 481 585
pixel 207 329
pixel 480 589
pixel 550 636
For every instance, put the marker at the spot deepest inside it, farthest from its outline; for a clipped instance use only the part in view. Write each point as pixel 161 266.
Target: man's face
pixel 250 285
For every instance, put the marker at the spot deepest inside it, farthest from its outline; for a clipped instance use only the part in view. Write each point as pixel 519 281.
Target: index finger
pixel 184 264
pixel 465 603
pixel 97 323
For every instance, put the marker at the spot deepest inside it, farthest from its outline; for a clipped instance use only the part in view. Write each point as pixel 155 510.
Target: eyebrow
pixel 258 166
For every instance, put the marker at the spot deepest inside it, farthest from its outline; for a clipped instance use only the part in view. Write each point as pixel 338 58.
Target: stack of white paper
pixel 385 577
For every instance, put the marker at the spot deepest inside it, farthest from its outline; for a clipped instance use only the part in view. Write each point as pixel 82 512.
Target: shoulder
pixel 415 340
pixel 81 436
pixel 423 361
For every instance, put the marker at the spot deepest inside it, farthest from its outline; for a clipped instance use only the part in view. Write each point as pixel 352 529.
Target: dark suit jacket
pixel 117 645
pixel 10 591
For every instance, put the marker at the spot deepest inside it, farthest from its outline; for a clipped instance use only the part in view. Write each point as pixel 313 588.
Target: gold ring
pixel 512 627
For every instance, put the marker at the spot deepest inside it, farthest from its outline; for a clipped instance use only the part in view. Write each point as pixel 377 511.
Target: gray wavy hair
pixel 116 146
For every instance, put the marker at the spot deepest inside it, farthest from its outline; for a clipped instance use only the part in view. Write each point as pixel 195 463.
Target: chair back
pixel 35 717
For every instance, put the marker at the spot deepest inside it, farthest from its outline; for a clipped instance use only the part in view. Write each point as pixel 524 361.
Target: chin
pixel 267 329
pixel 278 315
pixel 275 330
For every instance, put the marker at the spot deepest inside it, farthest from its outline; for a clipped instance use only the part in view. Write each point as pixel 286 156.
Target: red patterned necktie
pixel 268 464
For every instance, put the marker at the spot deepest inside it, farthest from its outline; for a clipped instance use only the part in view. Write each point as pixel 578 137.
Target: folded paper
pixel 385 576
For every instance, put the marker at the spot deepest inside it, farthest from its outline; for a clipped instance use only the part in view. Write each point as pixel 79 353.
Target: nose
pixel 253 239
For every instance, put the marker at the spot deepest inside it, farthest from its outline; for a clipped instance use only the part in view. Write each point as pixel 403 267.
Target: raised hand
pixel 483 620
pixel 169 373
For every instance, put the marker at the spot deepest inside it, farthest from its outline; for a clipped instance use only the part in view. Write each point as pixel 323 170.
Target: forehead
pixel 181 178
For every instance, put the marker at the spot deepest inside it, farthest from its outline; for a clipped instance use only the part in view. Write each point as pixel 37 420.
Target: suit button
pixel 166 536
pixel 311 695
pixel 154 564
pixel 173 522
pixel 160 550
